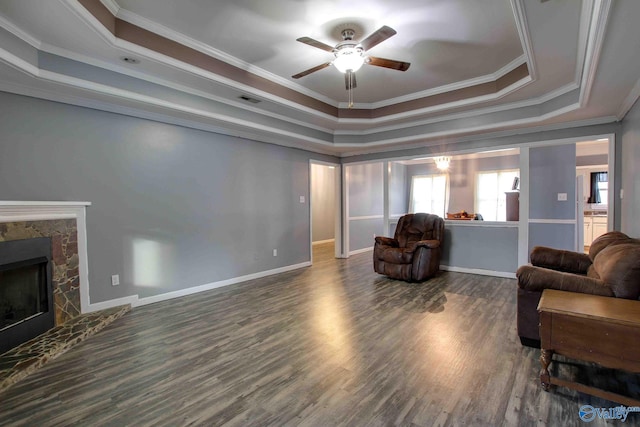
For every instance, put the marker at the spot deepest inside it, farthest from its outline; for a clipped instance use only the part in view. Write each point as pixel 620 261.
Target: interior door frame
pixel 337 232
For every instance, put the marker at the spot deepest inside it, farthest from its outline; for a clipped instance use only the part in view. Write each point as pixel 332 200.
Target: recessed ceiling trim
pixel 594 47
pixel 525 36
pixel 467 114
pixel 113 7
pixel 148 100
pixel 170 34
pixel 478 99
pixel 100 19
pixel 489 78
pixel 629 100
pixel 19 63
pixel 19 32
pixel 177 37
pixel 168 48
pixel 54 50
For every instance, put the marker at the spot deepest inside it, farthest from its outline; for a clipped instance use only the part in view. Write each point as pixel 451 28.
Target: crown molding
pixel 525 36
pixel 628 102
pixel 512 65
pixel 54 50
pixel 84 15
pixel 209 50
pixel 468 114
pixel 595 42
pixel 112 5
pixel 19 32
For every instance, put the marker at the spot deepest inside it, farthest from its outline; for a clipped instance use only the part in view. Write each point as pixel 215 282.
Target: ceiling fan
pixel 350 55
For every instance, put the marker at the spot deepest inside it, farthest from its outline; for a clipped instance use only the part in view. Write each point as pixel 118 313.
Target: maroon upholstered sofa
pixel 414 253
pixel 612 269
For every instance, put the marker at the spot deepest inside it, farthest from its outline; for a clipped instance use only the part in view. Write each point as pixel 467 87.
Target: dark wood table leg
pixel 545 361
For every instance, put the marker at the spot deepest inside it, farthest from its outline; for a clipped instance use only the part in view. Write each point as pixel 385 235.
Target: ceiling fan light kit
pixel 350 56
pixel 348 59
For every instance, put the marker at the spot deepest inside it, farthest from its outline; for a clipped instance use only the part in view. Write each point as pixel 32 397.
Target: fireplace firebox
pixel 26 300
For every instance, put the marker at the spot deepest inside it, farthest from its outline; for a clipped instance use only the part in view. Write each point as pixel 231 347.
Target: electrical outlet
pixel 301 199
pixel 562 197
pixel 115 280
pixel 275 252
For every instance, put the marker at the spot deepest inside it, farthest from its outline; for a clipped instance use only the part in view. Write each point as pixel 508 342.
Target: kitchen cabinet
pixel 594 227
pixel 599 227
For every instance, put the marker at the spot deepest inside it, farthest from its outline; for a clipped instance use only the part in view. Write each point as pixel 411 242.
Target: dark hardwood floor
pixel 333 344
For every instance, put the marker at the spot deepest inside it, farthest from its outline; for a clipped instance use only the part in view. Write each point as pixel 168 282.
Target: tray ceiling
pixel 226 66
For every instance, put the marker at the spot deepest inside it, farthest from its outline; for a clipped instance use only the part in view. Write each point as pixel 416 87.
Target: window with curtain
pixel 428 194
pixel 491 187
pixel 599 188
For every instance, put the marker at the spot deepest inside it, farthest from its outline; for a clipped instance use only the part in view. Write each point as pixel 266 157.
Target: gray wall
pixel 323 202
pixel 462 175
pixel 631 172
pixel 481 247
pixel 365 184
pixel 552 170
pixel 172 207
pixel 398 195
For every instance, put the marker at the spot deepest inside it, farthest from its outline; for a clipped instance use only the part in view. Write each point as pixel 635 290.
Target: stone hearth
pixel 19 362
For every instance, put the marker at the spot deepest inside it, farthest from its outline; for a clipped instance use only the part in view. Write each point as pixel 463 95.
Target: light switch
pixel 562 197
pixel 301 199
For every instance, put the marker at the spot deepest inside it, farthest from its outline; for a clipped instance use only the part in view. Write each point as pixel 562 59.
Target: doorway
pixel 592 191
pixel 324 210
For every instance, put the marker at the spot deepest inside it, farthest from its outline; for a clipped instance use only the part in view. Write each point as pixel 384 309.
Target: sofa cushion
pixel 618 265
pixel 609 238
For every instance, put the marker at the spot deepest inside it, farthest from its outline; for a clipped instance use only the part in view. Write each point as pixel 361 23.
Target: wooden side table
pixel 590 328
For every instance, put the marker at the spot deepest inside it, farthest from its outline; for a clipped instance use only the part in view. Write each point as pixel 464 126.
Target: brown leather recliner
pixel 611 269
pixel 414 253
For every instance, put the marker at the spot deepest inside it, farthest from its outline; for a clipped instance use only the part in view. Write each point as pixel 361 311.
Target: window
pixel 428 194
pixel 599 188
pixel 490 193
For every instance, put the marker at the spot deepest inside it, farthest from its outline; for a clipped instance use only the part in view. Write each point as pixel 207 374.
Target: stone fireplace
pixel 26 298
pixel 59 223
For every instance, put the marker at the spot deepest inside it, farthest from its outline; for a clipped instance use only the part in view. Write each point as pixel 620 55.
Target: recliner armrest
pixel 560 260
pixel 387 241
pixel 537 279
pixel 431 244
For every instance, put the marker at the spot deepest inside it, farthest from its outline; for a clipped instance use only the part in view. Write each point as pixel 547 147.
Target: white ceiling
pixel 581 56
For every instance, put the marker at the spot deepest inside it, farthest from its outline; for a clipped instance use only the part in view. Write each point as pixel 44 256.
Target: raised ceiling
pixel 476 67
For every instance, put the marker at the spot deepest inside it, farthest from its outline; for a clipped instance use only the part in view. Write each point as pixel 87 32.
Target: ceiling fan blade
pixel 311 70
pixel 377 37
pixel 315 43
pixel 388 63
pixel 350 80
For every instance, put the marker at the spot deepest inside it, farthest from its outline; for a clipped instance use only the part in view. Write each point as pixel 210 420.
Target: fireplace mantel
pixel 18 211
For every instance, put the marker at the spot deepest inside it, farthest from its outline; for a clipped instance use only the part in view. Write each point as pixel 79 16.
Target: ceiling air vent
pixel 249 99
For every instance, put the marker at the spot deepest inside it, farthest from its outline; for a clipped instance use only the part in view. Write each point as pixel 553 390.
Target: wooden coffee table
pixel 590 328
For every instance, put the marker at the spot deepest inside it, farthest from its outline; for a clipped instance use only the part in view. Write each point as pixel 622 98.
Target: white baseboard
pixel 136 301
pixel 359 251
pixel 111 303
pixel 320 242
pixel 505 274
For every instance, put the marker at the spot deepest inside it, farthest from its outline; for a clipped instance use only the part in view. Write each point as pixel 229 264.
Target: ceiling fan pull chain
pixel 350 89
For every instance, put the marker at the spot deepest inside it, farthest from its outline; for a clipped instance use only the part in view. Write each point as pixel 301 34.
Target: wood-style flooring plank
pixel 333 344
